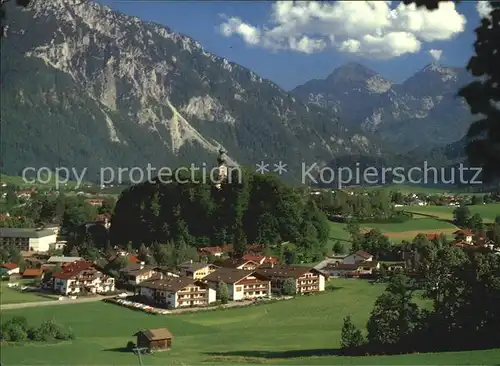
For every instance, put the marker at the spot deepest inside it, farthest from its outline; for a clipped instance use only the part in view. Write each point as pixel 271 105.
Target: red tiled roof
pixel 10 266
pixel 73 269
pixel 432 236
pixel 133 259
pixel 227 248
pixel 32 272
pixel 363 254
pixel 255 248
pixel 260 259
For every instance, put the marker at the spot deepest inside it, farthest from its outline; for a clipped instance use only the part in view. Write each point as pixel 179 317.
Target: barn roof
pixel 155 334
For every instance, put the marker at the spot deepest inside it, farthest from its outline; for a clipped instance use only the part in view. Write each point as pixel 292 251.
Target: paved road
pixel 53 302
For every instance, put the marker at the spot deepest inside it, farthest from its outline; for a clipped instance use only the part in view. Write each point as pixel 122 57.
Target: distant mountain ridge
pixel 85 86
pixel 423 112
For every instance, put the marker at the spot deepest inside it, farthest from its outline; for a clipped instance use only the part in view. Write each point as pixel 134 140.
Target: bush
pixel 15 333
pixel 351 336
pixel 130 346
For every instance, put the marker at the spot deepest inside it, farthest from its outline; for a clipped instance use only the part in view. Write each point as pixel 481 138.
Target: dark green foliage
pixel 461 216
pixel 16 329
pixel 289 287
pixel 10 254
pixel 199 215
pixel 394 315
pixel 222 292
pixel 351 336
pixel 338 248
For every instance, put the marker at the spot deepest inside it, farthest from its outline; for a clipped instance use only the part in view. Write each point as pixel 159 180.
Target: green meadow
pixel 488 212
pixel 12 296
pixel 305 330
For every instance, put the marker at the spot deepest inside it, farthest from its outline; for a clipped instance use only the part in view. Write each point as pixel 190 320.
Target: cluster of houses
pixel 191 284
pixel 194 284
pixel 358 264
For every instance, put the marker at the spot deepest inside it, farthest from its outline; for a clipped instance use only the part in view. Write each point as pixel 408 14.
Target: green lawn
pixel 13 296
pixel 282 333
pixel 487 212
pixel 338 233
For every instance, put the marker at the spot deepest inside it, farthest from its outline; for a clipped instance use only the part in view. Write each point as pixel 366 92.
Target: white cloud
pixel 484 8
pixel 436 54
pixel 367 28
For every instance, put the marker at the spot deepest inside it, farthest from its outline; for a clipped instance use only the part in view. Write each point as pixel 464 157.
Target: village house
pixel 176 292
pixel 95 202
pixel 197 270
pixel 32 273
pixel 206 251
pixel 33 240
pixel 56 228
pixel 81 277
pixel 62 260
pixel 247 265
pixel 261 259
pixel 58 245
pixel 307 279
pixel 241 284
pixel 135 273
pixel 352 270
pixel 159 339
pixel 432 236
pixel 464 235
pixel 359 256
pixel 10 268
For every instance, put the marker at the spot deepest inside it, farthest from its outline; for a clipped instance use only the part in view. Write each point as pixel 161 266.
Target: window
pixel 238 288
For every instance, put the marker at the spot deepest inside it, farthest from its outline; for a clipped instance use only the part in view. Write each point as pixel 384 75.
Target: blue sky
pixel 201 20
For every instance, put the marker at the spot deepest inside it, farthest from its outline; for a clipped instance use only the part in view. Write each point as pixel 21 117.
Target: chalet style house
pixel 206 251
pixel 243 264
pixel 176 292
pixel 197 270
pixel 307 279
pixel 241 284
pixel 81 277
pixel 135 273
pixel 359 256
pixel 365 268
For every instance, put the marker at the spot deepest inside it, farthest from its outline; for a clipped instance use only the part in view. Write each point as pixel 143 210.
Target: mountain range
pixel 423 112
pixel 85 86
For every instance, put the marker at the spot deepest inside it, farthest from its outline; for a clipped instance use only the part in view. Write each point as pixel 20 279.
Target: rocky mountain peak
pixel 93 87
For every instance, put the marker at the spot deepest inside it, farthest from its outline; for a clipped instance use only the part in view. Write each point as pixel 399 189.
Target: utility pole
pixel 139 350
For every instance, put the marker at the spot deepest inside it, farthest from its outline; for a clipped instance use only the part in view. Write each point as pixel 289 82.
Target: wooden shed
pixel 158 339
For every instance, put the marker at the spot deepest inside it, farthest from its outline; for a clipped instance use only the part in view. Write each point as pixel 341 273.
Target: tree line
pixel 258 210
pixel 464 288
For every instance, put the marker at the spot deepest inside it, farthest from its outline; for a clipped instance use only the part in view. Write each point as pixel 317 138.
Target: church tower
pixel 222 160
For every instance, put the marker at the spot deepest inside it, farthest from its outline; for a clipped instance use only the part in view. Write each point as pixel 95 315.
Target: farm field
pixel 409 229
pixel 279 333
pixel 488 212
pixel 12 296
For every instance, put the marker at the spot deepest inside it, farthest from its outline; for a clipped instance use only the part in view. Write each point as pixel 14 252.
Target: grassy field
pixel 411 228
pixel 487 212
pixel 287 332
pixel 408 188
pixel 12 296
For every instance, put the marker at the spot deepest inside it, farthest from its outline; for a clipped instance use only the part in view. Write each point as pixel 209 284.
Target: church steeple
pixel 222 160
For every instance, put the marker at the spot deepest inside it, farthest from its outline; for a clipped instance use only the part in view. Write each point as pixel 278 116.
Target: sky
pixel 291 43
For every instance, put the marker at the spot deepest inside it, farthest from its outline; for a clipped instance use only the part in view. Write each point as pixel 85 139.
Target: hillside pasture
pixel 488 212
pixel 409 229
